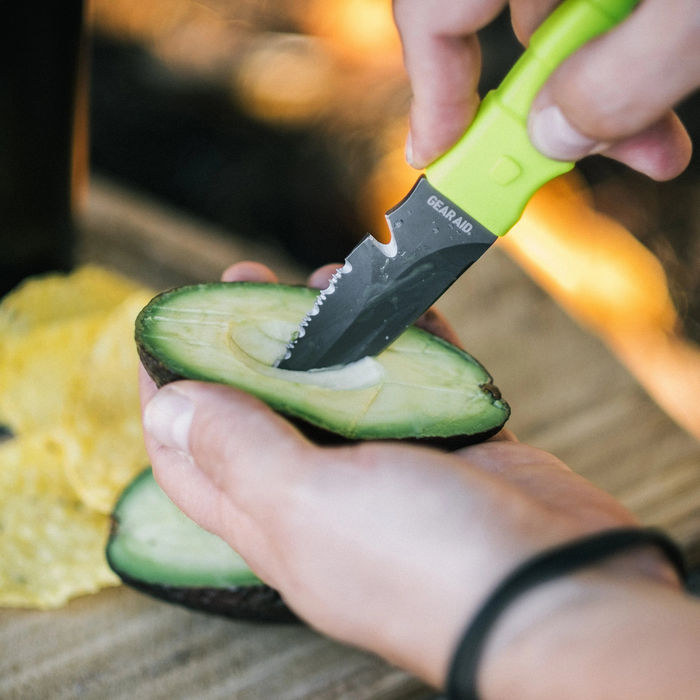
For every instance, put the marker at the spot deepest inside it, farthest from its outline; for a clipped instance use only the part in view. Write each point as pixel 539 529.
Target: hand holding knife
pixel 468 198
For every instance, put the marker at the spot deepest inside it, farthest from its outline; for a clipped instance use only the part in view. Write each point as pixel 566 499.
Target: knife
pixel 468 198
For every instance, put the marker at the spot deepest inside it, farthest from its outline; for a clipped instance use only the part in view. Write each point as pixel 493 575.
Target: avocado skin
pixel 157 371
pixel 326 438
pixel 251 603
pixel 162 375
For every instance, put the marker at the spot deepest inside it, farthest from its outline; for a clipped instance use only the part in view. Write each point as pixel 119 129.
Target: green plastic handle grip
pixel 494 170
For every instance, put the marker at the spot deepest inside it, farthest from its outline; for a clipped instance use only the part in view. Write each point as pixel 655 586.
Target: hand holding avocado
pixel 614 96
pixel 393 548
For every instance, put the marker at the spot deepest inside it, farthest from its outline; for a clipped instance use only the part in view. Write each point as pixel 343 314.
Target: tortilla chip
pixel 51 544
pixel 103 416
pixel 57 297
pixel 38 370
pixel 68 391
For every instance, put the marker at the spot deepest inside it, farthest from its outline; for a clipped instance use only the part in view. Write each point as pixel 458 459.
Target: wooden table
pixel 569 396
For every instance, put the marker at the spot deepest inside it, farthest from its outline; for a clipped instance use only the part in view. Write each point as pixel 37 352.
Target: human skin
pixel 614 96
pixel 393 548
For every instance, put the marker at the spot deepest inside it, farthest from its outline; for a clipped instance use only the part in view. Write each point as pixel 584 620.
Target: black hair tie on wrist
pixel 559 561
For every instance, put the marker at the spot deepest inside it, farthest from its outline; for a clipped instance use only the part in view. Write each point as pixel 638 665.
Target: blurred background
pixel 286 120
pixel 281 120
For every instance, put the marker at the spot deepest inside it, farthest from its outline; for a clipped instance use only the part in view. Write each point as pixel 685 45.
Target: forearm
pixel 602 636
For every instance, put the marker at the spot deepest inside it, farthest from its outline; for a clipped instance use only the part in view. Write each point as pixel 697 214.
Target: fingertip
pixel 526 17
pixel 553 135
pixel 433 321
pixel 409 150
pixel 661 152
pixel 504 435
pixel 427 150
pixel 249 271
pixel 435 128
pixel 320 278
pixel 192 491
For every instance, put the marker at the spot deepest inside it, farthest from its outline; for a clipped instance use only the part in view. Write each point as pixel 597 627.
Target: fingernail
pixel 168 418
pixel 554 137
pixel 409 149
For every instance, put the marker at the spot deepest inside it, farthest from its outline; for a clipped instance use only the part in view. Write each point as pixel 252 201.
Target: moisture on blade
pixel 383 288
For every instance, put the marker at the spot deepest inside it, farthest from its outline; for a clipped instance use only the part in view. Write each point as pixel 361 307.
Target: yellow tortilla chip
pixel 68 390
pixel 107 387
pixel 57 297
pixel 38 370
pixel 51 545
pixel 100 463
pixel 47 326
pixel 104 416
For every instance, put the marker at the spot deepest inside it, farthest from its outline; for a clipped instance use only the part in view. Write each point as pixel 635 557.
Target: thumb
pixel 223 457
pixel 614 96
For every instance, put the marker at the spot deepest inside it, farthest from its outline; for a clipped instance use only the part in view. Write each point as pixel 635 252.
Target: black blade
pixel 383 288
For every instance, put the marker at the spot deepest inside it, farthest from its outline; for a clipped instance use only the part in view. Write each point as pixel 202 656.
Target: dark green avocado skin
pixel 162 375
pixel 157 371
pixel 251 603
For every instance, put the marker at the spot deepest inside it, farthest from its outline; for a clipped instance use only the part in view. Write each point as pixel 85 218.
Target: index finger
pixel 527 15
pixel 248 271
pixel 443 61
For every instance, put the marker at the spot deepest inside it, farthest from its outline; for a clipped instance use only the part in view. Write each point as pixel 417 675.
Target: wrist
pixel 523 649
pixel 579 636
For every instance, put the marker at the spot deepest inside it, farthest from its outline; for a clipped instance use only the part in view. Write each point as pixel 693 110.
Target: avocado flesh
pixel 157 549
pixel 158 543
pixel 421 387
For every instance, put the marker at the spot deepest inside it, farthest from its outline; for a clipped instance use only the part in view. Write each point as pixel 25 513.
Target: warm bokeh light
pixel 185 34
pixel 390 181
pixel 202 44
pixel 140 20
pixel 363 30
pixel 342 77
pixel 340 59
pixel 594 265
pixel 285 78
pixel 612 284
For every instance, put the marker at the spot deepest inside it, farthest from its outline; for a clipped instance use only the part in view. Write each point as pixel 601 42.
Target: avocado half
pixel 155 548
pixel 421 388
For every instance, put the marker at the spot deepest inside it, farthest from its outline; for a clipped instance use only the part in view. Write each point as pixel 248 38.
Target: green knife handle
pixel 494 170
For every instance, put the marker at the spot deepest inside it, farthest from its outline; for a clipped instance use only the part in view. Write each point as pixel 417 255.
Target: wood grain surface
pixel 569 396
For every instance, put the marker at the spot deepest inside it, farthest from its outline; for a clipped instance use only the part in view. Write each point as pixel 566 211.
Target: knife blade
pixel 468 198
pixel 383 288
